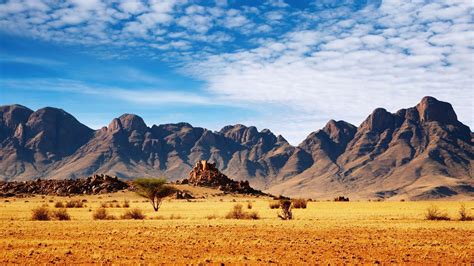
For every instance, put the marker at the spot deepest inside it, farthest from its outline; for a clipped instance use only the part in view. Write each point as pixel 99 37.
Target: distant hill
pixel 422 152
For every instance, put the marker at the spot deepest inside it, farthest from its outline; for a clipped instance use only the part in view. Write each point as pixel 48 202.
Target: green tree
pixel 154 190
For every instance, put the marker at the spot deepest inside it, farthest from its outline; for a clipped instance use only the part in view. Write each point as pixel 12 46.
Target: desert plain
pixel 196 231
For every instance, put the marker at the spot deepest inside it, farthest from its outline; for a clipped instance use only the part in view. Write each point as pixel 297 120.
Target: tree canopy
pixel 154 189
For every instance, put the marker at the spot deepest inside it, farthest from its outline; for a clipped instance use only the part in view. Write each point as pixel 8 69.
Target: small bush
pixel 41 214
pixel 175 217
pixel 434 214
pixel 211 217
pixel 238 213
pixel 61 214
pixel 59 204
pixel 341 198
pixel 104 205
pixel 299 203
pixel 50 201
pixel 249 205
pixel 126 204
pixel 464 214
pixel 135 214
pixel 101 214
pixel 74 204
pixel 286 213
pixel 274 205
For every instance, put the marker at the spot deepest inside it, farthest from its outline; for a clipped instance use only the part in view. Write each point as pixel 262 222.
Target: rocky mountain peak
pixel 131 122
pixel 340 131
pixel 12 115
pixel 430 109
pixel 378 121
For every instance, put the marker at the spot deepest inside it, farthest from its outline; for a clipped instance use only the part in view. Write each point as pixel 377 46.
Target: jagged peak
pixel 12 115
pixel 132 122
pixel 378 121
pixel 430 109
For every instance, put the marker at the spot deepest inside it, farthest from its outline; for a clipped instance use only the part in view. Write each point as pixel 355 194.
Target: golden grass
pixel 329 232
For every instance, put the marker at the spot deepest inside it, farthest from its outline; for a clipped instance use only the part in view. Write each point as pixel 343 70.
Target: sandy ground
pixel 182 232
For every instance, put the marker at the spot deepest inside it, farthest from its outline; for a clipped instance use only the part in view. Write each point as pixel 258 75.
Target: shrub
pixel 433 213
pixel 59 204
pixel 126 204
pixel 135 214
pixel 61 214
pixel 175 217
pixel 238 213
pixel 211 216
pixel 286 213
pixel 464 214
pixel 249 205
pixel 101 214
pixel 274 205
pixel 299 203
pixel 74 204
pixel 104 205
pixel 41 214
pixel 341 198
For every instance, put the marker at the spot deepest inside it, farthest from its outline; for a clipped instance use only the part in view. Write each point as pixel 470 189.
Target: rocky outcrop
pixel 206 174
pixel 97 184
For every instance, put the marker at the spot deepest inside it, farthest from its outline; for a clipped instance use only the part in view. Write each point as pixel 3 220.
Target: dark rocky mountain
pixel 420 152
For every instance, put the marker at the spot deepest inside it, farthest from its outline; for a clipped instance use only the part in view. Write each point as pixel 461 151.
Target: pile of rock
pixel 96 184
pixel 206 174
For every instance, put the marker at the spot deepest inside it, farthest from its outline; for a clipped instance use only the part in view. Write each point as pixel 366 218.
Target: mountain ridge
pixel 414 153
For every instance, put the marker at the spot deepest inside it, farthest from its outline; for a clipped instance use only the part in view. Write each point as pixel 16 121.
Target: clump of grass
pixel 299 203
pixel 464 214
pixel 59 204
pixel 434 214
pixel 274 205
pixel 74 204
pixel 135 214
pixel 175 217
pixel 41 214
pixel 61 214
pixel 286 213
pixel 126 204
pixel 102 214
pixel 238 213
pixel 211 216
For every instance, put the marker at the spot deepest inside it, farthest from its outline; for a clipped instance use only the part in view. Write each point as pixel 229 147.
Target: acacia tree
pixel 154 190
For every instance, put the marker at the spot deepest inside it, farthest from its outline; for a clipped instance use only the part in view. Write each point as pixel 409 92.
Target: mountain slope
pixel 421 152
pixel 413 153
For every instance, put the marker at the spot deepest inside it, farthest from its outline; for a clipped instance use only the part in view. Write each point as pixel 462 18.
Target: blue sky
pixel 289 66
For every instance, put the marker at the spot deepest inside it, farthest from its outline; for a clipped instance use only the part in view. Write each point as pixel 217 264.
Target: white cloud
pixel 345 70
pixel 298 67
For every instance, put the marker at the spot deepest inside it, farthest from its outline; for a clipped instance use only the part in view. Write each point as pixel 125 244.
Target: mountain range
pixel 422 152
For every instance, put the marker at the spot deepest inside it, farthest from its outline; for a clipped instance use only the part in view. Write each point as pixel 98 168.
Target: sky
pixel 289 66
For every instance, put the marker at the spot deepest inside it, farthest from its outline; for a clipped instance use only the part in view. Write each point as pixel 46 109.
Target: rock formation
pixel 96 184
pixel 206 174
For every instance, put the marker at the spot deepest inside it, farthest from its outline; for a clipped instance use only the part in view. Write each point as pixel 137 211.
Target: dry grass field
pixel 197 232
